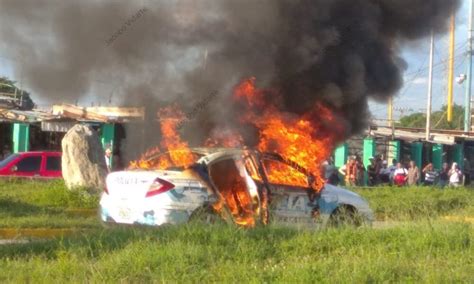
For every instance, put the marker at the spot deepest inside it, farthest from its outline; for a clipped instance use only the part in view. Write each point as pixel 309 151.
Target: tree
pixel 438 119
pixel 12 97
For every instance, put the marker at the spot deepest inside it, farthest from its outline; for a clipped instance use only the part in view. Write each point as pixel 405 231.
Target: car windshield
pixel 10 158
pixel 282 173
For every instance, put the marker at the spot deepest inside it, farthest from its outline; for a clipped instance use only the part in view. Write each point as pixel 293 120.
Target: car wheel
pixel 206 215
pixel 345 216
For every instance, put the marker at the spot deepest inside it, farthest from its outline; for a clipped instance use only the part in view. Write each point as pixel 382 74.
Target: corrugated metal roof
pixel 447 137
pixel 73 113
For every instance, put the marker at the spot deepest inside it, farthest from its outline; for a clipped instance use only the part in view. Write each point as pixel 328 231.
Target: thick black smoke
pixel 340 52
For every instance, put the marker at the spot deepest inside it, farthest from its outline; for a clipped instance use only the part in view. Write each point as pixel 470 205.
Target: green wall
pixel 340 155
pixel 458 154
pixel 393 151
pixel 21 137
pixel 437 156
pixel 417 153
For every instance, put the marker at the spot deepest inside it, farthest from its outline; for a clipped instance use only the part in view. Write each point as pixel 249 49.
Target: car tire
pixel 206 215
pixel 345 216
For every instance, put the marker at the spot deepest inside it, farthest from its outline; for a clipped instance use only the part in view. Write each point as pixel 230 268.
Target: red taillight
pixel 159 186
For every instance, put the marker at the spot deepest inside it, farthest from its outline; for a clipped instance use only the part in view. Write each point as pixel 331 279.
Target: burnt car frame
pixel 233 185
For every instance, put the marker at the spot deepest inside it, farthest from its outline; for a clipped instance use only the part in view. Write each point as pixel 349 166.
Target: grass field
pixel 26 204
pixel 421 247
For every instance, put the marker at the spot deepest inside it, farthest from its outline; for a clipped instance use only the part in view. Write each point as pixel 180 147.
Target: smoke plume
pixel 338 52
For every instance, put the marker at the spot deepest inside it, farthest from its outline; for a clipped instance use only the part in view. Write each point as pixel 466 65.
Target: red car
pixel 32 164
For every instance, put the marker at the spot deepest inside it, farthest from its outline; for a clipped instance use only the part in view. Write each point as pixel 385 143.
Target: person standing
pixel 467 172
pixel 343 171
pixel 108 156
pixel 330 172
pixel 378 168
pixel 444 175
pixel 430 175
pixel 413 174
pixel 360 171
pixel 455 176
pixel 5 153
pixel 350 172
pixel 392 168
pixel 372 172
pixel 384 174
pixel 400 175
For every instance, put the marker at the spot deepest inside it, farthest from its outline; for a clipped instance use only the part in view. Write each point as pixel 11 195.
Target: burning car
pixel 242 186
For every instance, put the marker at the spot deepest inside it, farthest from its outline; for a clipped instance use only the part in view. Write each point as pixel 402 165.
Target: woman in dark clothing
pixel 372 172
pixel 444 175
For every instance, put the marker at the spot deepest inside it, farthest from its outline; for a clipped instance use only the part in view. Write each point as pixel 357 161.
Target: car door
pixel 289 200
pixel 52 166
pixel 237 190
pixel 27 166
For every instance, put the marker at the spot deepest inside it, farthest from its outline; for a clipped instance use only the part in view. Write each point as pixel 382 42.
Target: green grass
pixel 47 204
pixel 419 252
pixel 418 203
pixel 46 194
pixel 420 247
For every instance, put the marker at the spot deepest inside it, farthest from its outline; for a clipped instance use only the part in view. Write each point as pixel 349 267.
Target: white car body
pixel 126 202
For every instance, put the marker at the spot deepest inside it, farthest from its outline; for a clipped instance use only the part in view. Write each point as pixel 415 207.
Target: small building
pixel 405 144
pixel 34 130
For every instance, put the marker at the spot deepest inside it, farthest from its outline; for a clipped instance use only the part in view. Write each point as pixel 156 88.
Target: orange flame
pixel 151 159
pixel 227 138
pixel 296 139
pixel 247 90
pixel 178 155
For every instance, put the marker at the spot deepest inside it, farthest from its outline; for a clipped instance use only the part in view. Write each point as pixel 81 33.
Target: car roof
pixel 215 154
pixel 218 154
pixel 210 150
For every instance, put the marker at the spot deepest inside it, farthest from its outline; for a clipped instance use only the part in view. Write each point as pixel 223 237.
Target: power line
pixel 409 82
pixel 435 65
pixel 421 69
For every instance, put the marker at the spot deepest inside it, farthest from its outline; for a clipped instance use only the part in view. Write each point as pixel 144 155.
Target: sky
pixel 411 97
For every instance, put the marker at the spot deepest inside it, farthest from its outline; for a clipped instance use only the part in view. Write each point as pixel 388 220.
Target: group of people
pixel 429 176
pixel 379 172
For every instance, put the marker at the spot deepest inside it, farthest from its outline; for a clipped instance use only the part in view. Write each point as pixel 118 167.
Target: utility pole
pixel 467 97
pixel 430 90
pixel 451 67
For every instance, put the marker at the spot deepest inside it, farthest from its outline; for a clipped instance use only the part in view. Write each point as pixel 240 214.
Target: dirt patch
pixel 42 233
pixel 14 242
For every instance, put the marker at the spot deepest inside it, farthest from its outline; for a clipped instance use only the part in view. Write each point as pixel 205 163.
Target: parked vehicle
pixel 228 184
pixel 40 164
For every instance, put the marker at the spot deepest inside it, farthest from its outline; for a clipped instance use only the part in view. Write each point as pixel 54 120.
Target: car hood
pixel 339 191
pixel 344 196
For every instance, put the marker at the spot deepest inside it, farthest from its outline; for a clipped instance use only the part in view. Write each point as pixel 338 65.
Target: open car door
pixel 237 190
